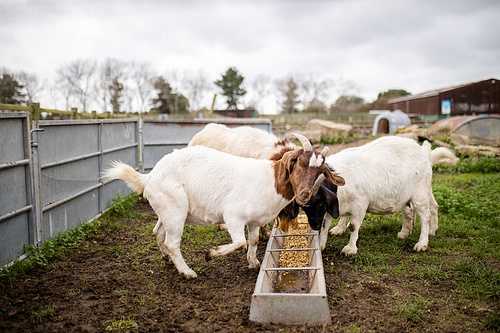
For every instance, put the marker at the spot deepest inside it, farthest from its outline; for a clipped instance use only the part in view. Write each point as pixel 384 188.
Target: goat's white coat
pixel 242 141
pixel 385 176
pixel 202 186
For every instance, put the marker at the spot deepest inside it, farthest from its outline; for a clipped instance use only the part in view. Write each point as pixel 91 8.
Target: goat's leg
pixel 354 225
pixel 423 212
pixel 422 205
pixel 172 214
pixel 159 232
pixel 339 229
pixel 323 235
pixel 433 206
pixel 237 232
pixel 408 221
pixel 253 241
pixel 266 232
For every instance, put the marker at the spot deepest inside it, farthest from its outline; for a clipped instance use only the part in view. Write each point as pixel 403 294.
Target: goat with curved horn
pixel 306 144
pixel 317 184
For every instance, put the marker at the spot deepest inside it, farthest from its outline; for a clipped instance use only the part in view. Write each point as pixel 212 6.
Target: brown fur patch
pixel 282 143
pixel 279 155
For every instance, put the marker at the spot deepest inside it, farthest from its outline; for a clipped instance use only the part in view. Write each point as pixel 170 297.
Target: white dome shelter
pixel 389 121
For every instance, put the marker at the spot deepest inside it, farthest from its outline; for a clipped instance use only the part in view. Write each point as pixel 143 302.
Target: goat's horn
pixel 317 184
pixel 325 151
pixel 304 141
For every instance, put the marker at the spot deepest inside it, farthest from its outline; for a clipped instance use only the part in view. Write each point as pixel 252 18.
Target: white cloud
pixel 379 45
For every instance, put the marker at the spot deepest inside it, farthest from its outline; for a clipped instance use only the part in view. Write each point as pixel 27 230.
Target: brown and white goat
pixel 202 186
pixel 244 141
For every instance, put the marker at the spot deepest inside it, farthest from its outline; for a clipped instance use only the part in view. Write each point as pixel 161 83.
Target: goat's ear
pixel 332 203
pixel 292 210
pixel 290 158
pixel 287 163
pixel 283 174
pixel 334 178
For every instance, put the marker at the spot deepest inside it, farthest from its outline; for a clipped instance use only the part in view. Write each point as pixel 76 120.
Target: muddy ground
pixel 118 281
pixel 119 275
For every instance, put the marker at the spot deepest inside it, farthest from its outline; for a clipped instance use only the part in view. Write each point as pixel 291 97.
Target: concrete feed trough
pixel 293 306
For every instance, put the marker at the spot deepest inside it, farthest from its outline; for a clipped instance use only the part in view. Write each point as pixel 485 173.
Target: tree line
pixel 118 86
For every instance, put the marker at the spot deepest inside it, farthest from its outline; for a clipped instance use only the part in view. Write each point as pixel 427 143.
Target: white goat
pixel 389 175
pixel 202 186
pixel 244 141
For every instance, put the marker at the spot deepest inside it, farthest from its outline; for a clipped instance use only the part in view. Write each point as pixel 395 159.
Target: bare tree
pixel 31 85
pixel 261 88
pixel 196 87
pixel 289 96
pixel 143 78
pixel 112 81
pixel 315 91
pixel 79 77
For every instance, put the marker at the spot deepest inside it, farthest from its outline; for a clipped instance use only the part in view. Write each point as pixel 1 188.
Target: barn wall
pixel 481 97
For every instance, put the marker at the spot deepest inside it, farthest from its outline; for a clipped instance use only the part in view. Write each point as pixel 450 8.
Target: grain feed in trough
pixel 291 288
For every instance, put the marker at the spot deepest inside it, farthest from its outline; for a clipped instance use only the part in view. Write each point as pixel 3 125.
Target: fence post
pixel 37 233
pixel 94 114
pixel 74 114
pixel 35 111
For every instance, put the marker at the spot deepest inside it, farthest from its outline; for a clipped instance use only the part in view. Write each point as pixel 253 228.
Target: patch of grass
pixel 481 164
pixel 493 322
pixel 121 206
pixel 115 251
pixel 337 139
pixel 413 310
pixel 431 273
pixel 41 315
pixel 122 325
pixel 478 279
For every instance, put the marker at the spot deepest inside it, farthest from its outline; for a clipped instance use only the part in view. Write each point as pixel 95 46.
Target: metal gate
pixel 17 222
pixel 160 137
pixel 71 157
pixel 50 176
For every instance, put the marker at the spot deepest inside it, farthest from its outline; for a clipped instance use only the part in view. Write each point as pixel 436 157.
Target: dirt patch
pixel 119 279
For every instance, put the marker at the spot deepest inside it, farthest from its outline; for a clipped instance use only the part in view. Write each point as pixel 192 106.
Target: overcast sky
pixel 416 45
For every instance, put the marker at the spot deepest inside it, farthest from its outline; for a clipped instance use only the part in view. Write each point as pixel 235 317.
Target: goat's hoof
pixel 254 265
pixel 190 274
pixel 420 247
pixel 336 232
pixel 402 235
pixel 347 251
pixel 208 256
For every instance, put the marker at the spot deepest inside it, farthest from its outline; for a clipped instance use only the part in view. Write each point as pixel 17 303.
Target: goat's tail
pixel 120 170
pixel 443 156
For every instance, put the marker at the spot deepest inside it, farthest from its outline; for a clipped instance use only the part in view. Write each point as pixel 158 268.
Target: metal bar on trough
pixel 290 308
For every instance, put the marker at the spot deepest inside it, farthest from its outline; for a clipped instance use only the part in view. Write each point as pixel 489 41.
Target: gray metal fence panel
pixel 72 157
pixel 16 210
pixel 50 179
pixel 161 137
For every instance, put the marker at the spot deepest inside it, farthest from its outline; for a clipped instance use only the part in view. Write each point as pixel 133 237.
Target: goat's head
pixel 298 170
pixel 323 200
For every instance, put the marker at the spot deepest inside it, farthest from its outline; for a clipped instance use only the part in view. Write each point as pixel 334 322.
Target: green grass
pixel 121 325
pixel 41 315
pixel 413 310
pixel 464 255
